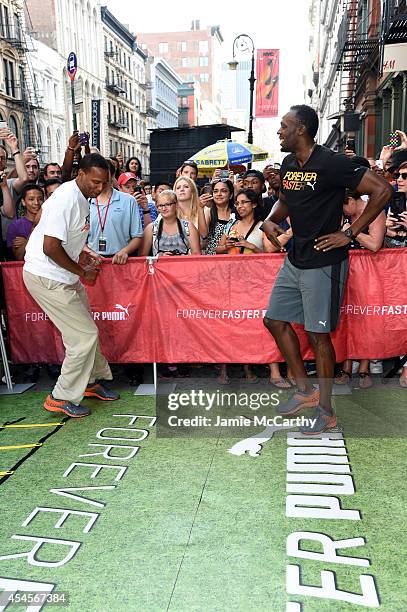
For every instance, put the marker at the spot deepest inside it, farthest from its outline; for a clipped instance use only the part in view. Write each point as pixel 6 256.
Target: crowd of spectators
pixel 132 217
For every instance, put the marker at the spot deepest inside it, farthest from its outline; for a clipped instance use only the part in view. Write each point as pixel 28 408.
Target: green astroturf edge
pixel 190 526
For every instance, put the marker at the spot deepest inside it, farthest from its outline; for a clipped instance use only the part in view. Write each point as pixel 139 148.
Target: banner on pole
pixel 210 309
pixel 267 77
pixel 95 120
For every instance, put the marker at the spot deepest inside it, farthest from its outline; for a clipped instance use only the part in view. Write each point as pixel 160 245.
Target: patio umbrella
pixel 226 153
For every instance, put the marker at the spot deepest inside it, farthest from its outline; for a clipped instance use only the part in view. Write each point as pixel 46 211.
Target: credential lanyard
pixel 102 225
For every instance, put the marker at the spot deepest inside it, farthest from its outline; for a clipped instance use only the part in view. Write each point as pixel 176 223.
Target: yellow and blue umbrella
pixel 226 153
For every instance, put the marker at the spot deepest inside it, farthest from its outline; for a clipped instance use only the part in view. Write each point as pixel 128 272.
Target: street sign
pixel 78 90
pixel 72 65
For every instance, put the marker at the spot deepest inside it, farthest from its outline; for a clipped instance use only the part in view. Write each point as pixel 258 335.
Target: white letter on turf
pixel 368 598
pixel 329 547
pixel 40 541
pixel 91 502
pixel 106 453
pixel 98 468
pixel 144 434
pixel 12 587
pixel 318 506
pixel 336 484
pixel 133 418
pixel 65 513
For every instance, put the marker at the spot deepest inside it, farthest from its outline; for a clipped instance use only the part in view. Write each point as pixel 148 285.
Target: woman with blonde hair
pixel 188 199
pixel 168 234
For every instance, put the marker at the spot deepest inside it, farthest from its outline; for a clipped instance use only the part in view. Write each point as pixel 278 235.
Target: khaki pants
pixel 67 307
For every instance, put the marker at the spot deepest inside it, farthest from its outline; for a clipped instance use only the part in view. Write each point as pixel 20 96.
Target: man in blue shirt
pixel 115 225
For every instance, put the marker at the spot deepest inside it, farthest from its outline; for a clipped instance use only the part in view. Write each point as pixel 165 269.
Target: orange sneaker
pixel 322 421
pixel 298 401
pixel 54 405
pixel 101 392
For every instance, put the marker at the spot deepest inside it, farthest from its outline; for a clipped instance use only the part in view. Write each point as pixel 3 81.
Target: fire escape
pixel 357 51
pixel 24 91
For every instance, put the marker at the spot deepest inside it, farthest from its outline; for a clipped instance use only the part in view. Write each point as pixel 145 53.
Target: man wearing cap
pixel 128 183
pixel 115 227
pixel 254 180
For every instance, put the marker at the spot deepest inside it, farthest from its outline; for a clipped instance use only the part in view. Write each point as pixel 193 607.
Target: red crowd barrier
pixel 210 309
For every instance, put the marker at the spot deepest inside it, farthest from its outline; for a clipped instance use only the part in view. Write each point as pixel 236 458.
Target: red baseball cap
pixel 125 177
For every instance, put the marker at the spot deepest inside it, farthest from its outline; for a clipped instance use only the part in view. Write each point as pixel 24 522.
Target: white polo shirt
pixel 65 215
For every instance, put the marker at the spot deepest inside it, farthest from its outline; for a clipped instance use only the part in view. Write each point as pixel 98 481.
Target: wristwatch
pixel 349 234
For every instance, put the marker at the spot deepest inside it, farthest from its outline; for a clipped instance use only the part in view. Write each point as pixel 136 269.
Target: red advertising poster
pixel 267 76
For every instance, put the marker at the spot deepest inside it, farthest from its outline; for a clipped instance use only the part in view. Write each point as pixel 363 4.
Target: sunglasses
pixel 402 175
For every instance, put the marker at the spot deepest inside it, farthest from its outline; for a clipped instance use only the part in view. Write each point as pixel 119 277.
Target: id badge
pixel 102 245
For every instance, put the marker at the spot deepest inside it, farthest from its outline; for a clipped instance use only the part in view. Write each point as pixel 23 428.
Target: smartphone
pixel 394 140
pixel 379 163
pixel 138 189
pixel 350 144
pixel 83 138
pixel 206 189
pixel 3 125
pixel 224 174
pixel 233 238
pixel 398 204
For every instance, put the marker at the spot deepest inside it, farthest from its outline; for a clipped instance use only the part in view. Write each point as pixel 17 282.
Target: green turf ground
pixel 191 527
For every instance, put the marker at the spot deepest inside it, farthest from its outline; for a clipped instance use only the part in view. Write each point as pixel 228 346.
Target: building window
pixel 203 46
pixel 5 24
pixel 9 78
pixel 203 61
pixel 204 77
pixel 163 47
pixel 12 123
pixel 183 45
pixel 185 62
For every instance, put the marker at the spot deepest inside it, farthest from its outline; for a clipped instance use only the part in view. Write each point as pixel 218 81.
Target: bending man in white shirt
pixel 52 274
